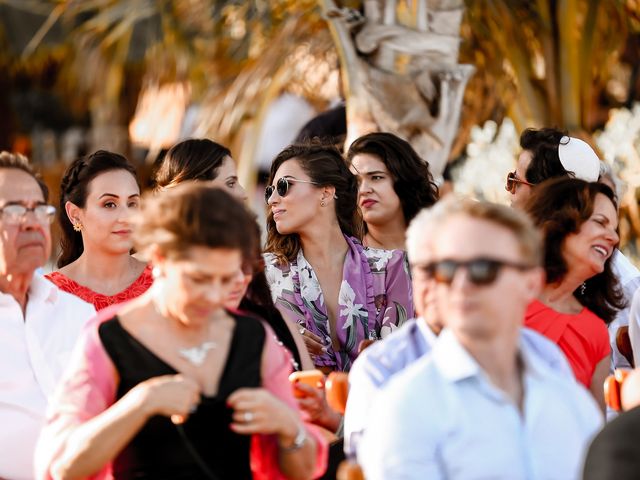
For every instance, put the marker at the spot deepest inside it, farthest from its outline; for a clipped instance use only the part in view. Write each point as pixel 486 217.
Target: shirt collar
pixel 456 363
pixel 426 331
pixel 42 290
pixel 451 358
pixel 533 364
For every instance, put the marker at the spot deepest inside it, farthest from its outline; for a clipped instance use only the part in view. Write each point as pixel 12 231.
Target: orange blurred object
pixel 612 387
pixel 337 388
pixel 312 378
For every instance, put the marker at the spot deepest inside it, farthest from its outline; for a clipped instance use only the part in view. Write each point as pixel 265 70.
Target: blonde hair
pixel 429 220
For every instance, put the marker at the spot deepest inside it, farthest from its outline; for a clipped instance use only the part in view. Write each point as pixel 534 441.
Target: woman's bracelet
pixel 298 442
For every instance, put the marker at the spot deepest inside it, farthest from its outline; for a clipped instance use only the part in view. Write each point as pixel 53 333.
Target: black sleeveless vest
pixel 158 451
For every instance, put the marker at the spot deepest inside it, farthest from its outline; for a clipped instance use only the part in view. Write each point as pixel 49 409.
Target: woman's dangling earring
pixel 583 288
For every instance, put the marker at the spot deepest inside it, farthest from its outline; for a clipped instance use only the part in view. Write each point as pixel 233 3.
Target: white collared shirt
pixel 375 366
pixel 34 350
pixel 442 418
pixel 384 359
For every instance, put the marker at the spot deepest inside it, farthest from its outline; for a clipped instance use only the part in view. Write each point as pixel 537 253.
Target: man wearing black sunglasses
pixel 482 386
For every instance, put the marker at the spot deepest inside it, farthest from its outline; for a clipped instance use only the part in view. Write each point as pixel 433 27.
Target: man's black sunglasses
pixel 480 271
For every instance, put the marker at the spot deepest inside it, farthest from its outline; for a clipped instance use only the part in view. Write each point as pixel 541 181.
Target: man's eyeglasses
pixel 513 181
pixel 282 187
pixel 15 213
pixel 480 271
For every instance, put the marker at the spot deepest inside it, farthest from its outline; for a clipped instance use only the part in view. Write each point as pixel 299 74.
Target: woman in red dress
pixel 578 220
pixel 97 196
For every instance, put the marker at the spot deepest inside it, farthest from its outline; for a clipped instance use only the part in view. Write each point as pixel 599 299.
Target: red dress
pixel 583 337
pixel 100 301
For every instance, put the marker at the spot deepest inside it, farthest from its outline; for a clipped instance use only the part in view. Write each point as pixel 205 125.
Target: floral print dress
pixel 374 299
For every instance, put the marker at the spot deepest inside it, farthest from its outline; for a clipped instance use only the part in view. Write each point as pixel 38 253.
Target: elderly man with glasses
pixel 484 403
pixel 38 322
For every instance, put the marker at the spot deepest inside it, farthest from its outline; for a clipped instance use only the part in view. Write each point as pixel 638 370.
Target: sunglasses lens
pixel 268 191
pixel 282 186
pixel 483 272
pixel 443 272
pixel 479 272
pixel 511 185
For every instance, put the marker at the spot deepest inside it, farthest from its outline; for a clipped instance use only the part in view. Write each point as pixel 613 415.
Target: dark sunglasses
pixel 513 181
pixel 282 187
pixel 480 271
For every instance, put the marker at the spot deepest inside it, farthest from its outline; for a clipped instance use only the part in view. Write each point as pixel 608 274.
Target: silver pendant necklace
pixel 196 355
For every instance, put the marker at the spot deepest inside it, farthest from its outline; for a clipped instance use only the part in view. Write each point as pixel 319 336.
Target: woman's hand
pixel 174 396
pixel 258 411
pixel 313 342
pixel 314 402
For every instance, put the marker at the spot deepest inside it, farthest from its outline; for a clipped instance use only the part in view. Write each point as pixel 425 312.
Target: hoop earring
pixel 77 226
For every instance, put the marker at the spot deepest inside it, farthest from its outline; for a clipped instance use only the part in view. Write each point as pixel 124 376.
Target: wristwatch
pixel 298 442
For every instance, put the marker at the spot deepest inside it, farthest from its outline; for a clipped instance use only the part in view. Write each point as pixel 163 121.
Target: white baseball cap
pixel 577 157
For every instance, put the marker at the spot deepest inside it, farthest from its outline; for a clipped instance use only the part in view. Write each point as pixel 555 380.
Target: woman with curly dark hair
pixel 579 221
pixel 321 277
pixel 394 184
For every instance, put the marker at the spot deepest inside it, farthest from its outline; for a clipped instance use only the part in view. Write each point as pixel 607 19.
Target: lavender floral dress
pixel 374 298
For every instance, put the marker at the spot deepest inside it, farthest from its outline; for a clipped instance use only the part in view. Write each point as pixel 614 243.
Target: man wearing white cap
pixel 548 153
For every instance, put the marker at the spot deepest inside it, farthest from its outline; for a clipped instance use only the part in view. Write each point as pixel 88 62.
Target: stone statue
pixel 400 71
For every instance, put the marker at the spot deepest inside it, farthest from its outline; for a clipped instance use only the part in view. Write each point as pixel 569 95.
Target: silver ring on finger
pixel 248 417
pixel 302 330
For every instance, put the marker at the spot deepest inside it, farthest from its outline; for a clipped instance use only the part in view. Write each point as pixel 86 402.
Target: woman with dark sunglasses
pixel 394 184
pixel 203 160
pixel 582 295
pixel 322 278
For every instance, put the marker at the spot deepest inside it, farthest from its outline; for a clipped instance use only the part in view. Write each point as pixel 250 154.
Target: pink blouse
pixel 89 387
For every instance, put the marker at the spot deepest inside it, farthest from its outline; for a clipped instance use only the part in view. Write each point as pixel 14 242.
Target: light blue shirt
pixel 384 359
pixel 441 418
pixel 375 366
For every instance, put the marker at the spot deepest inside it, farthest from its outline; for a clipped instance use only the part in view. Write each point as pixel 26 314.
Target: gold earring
pixel 77 226
pixel 322 204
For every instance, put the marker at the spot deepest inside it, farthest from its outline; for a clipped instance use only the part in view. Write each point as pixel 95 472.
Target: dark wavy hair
pixel 559 207
pixel 545 162
pixel 258 300
pixel 326 167
pixel 193 159
pixel 74 188
pixel 412 180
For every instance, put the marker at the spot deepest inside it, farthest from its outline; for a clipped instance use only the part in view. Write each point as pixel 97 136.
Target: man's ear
pixel 535 281
pixel 74 213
